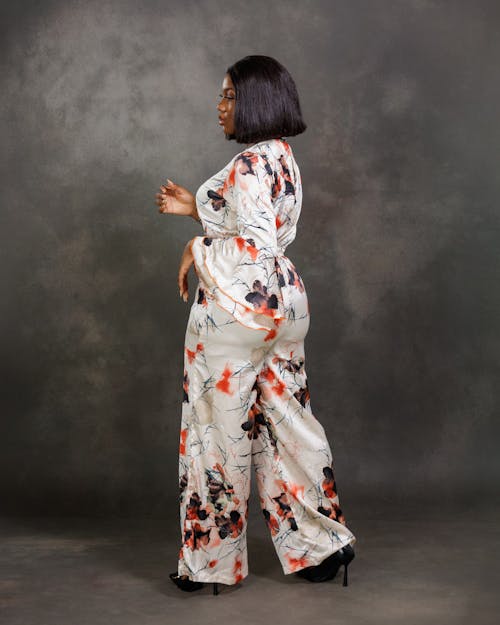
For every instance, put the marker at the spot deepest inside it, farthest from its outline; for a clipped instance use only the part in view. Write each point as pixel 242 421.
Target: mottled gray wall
pixel 398 242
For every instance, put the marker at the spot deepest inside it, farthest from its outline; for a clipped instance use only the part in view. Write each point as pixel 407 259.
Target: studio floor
pixel 435 564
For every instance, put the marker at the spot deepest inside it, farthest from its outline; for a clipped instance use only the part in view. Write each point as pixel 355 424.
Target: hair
pixel 267 103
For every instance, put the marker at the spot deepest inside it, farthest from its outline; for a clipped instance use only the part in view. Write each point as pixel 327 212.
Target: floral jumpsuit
pixel 246 397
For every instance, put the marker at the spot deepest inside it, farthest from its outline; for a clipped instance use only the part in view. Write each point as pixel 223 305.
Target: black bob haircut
pixel 267 103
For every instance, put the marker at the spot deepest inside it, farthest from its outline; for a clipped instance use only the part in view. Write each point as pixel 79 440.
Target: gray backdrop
pixel 398 241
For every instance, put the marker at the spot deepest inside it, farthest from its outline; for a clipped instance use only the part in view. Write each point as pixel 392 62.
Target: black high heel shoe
pixel 189 585
pixel 327 569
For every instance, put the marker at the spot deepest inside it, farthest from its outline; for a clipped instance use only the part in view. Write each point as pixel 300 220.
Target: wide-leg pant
pixel 246 400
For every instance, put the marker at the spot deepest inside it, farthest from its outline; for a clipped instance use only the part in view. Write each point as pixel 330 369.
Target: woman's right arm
pixel 175 199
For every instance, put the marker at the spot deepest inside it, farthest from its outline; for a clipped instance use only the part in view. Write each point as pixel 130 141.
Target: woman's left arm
pixel 182 278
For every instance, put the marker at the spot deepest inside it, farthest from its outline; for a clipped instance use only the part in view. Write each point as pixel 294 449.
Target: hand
pixel 186 261
pixel 175 199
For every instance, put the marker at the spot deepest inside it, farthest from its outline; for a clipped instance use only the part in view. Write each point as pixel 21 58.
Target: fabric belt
pixel 283 263
pixel 274 251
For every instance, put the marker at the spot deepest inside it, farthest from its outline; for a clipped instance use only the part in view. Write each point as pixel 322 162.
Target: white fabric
pixel 246 397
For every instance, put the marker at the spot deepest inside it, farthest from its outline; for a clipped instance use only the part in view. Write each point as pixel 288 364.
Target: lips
pixel 221 120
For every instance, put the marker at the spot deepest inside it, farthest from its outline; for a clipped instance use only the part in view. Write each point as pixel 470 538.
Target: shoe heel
pixel 216 588
pixel 344 583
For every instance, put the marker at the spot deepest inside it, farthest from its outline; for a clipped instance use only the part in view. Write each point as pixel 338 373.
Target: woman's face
pixel 226 105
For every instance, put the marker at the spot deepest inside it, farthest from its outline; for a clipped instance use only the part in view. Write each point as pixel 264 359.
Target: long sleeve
pixel 239 270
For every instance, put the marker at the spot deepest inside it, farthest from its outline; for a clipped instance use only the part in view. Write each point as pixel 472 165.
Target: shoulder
pixel 250 165
pixel 261 163
pixel 270 155
pixel 263 155
pixel 251 160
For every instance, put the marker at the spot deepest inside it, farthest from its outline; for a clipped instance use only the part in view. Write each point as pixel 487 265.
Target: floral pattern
pixel 246 399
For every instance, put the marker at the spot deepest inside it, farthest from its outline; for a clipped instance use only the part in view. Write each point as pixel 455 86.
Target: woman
pixel 246 398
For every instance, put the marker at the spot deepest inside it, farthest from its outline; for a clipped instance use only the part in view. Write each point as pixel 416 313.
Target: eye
pixel 227 97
